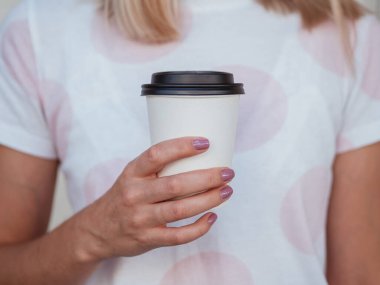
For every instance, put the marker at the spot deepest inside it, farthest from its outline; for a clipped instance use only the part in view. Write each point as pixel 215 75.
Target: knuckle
pixel 136 221
pixel 142 239
pixel 153 154
pixel 129 197
pixel 177 211
pixel 162 215
pixel 146 240
pixel 173 186
pixel 211 179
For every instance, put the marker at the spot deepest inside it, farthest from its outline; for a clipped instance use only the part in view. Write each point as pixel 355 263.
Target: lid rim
pixel 192 83
pixel 192 92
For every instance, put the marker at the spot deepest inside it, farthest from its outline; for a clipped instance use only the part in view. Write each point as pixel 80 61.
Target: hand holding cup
pixel 132 217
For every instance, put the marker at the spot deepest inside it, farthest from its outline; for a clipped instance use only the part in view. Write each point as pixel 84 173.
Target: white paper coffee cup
pixel 198 104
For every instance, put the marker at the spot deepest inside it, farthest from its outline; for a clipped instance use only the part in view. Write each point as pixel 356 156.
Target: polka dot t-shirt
pixel 69 90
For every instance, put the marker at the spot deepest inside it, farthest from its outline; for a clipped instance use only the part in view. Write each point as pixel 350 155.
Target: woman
pixel 305 208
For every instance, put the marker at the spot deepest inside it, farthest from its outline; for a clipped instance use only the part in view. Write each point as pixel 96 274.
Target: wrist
pixel 87 245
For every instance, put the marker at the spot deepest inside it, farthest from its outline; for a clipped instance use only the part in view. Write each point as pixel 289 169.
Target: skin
pixel 353 239
pixel 130 218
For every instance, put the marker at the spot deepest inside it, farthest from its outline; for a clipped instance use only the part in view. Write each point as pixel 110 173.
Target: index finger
pixel 157 156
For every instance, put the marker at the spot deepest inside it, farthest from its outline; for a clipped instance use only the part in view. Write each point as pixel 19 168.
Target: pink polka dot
pixel 208 268
pixel 303 211
pixel 371 83
pixel 58 112
pixel 101 178
pixel 343 144
pixel 263 109
pixel 325 46
pixel 111 43
pixel 18 56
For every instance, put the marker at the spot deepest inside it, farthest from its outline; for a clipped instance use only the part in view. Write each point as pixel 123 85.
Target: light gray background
pixel 61 208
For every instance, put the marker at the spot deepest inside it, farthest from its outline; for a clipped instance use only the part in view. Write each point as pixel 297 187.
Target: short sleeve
pixel 361 114
pixel 23 125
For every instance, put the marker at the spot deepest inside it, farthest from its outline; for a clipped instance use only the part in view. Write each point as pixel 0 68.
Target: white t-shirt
pixel 69 89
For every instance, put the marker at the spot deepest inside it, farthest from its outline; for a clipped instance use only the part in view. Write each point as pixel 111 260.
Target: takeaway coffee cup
pixel 194 103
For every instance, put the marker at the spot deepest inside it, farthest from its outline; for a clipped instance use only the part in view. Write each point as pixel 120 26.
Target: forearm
pixel 355 260
pixel 55 258
pixel 353 228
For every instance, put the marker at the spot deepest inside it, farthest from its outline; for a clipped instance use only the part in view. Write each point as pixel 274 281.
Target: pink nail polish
pixel 227 174
pixel 201 144
pixel 226 192
pixel 213 217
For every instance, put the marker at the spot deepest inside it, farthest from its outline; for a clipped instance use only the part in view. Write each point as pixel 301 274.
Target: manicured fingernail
pixel 227 174
pixel 213 217
pixel 200 144
pixel 226 192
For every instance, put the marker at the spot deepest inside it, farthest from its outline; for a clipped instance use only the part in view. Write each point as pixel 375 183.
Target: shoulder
pixel 367 55
pixel 19 13
pixel 367 32
pixel 55 16
pixel 47 18
pixel 49 26
pixel 44 16
pixel 366 22
pixel 367 44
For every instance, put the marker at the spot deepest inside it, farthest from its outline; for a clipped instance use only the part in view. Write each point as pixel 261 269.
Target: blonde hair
pixel 158 21
pixel 153 21
pixel 315 12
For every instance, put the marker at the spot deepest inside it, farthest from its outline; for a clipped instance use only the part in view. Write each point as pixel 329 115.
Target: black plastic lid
pixel 192 83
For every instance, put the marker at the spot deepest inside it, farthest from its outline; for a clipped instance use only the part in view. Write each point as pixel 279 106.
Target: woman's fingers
pixel 184 184
pixel 171 211
pixel 156 157
pixel 166 236
pixel 142 205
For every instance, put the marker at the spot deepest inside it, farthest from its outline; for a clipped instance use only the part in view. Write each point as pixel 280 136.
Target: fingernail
pixel 227 174
pixel 213 217
pixel 200 144
pixel 226 192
